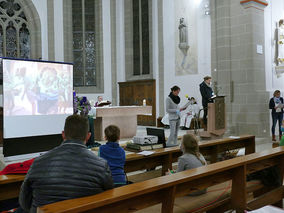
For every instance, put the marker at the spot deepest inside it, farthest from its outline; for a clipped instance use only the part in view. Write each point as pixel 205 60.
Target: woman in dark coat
pixel 276 106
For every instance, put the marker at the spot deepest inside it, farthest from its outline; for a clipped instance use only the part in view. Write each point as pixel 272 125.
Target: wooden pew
pixel 10 186
pixel 165 157
pixel 134 162
pixel 164 189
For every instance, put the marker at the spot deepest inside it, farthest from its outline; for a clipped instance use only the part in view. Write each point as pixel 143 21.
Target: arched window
pixel 84 38
pixel 14 31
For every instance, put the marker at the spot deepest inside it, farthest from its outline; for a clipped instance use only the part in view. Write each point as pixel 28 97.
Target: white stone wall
pixel 58 30
pixel 41 7
pixel 272 14
pixel 189 84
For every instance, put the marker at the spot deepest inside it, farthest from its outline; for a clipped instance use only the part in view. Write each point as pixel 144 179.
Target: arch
pixel 35 28
pixel 22 17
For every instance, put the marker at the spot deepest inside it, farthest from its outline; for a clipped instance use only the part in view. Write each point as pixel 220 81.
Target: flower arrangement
pixel 81 105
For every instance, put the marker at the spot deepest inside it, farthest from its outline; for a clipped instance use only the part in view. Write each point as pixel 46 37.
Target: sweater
pixel 115 156
pixel 282 141
pixel 190 161
pixel 172 108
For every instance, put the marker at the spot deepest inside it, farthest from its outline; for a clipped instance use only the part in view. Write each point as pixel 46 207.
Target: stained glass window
pixel 11 40
pixel 141 51
pixel 24 42
pixel 84 38
pixel 14 31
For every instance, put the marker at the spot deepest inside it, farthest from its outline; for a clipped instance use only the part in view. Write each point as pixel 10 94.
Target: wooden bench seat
pixel 134 162
pixel 215 195
pixel 167 188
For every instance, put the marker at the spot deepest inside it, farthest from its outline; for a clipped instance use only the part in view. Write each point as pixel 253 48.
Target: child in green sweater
pixel 282 138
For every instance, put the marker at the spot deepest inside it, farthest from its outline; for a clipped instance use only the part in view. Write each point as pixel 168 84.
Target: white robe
pixel 187 115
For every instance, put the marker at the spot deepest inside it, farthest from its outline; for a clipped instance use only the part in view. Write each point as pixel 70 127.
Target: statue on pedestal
pixel 183 39
pixel 280 57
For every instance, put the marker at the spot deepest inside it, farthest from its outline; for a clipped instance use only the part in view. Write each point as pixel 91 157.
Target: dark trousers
pixel 91 140
pixel 205 112
pixel 278 116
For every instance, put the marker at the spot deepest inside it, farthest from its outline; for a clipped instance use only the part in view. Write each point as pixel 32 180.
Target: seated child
pixel 114 155
pixel 191 157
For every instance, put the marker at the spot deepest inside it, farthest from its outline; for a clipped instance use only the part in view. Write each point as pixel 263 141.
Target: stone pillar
pixel 237 32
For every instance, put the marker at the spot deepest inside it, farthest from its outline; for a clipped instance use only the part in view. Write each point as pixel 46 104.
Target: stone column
pixel 237 32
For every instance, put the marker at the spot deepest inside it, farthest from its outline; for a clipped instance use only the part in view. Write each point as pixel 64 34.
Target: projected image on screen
pixel 37 97
pixel 33 88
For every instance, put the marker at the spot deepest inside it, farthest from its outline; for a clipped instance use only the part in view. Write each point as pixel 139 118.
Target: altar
pixel 125 117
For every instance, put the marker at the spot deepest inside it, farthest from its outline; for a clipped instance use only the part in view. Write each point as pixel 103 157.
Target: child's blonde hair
pixel 190 145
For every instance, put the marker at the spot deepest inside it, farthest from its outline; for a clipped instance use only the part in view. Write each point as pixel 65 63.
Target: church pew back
pixel 165 189
pixel 135 162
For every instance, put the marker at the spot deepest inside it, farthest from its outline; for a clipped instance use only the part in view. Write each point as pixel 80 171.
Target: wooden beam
pixel 239 197
pixel 169 200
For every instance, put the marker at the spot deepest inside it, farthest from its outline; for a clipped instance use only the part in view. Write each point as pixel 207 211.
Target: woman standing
pixel 276 106
pixel 173 109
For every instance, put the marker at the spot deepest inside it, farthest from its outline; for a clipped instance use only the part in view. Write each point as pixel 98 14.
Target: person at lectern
pixel 67 171
pixel 173 109
pixel 99 100
pixel 206 93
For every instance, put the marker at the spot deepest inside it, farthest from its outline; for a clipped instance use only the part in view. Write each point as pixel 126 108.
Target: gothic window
pixel 14 31
pixel 141 54
pixel 84 38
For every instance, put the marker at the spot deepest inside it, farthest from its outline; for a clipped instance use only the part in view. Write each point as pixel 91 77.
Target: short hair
pixel 281 22
pixel 112 133
pixel 76 127
pixel 276 92
pixel 193 99
pixel 175 88
pixel 207 78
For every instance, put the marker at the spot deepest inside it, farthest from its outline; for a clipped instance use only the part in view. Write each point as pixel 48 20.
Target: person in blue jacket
pixel 114 155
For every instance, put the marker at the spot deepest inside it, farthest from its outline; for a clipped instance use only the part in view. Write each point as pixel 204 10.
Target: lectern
pixel 216 122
